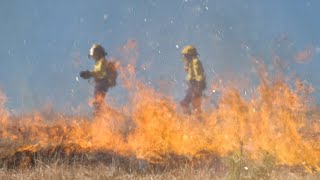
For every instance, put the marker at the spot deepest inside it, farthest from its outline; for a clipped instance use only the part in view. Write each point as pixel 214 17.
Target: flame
pixel 151 127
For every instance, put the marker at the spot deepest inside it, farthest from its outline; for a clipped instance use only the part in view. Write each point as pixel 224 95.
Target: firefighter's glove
pixel 85 74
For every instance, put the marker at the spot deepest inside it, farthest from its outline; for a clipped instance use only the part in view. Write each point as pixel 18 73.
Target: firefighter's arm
pixel 198 70
pixel 185 63
pixel 85 74
pixel 93 74
pixel 98 72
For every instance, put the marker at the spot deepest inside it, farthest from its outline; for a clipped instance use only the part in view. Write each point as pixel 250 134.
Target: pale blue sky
pixel 39 40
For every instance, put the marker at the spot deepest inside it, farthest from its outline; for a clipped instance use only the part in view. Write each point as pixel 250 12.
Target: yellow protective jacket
pixel 99 71
pixel 194 69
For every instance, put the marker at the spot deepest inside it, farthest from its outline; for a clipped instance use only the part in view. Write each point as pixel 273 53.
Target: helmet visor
pixel 91 52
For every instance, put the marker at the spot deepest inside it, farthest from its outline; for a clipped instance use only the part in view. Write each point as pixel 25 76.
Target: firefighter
pixel 195 78
pixel 104 74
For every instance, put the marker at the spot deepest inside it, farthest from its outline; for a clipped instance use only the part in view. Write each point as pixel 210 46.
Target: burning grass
pixel 277 128
pixel 105 165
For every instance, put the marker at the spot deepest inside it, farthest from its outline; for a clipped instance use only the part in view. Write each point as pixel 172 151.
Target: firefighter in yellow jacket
pixel 104 74
pixel 195 77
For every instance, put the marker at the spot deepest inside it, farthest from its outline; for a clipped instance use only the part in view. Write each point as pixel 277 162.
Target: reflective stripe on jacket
pixel 195 70
pixel 100 70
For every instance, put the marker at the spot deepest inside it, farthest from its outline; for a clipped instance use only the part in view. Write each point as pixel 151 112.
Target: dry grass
pixel 102 171
pixel 106 166
pixel 53 163
pixel 69 161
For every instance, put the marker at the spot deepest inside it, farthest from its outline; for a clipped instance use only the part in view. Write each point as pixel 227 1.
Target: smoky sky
pixel 44 44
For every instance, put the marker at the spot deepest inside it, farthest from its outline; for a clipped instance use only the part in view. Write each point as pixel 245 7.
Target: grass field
pixel 54 163
pixel 275 135
pixel 115 171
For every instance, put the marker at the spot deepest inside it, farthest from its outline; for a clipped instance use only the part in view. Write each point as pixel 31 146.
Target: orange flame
pixel 151 127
